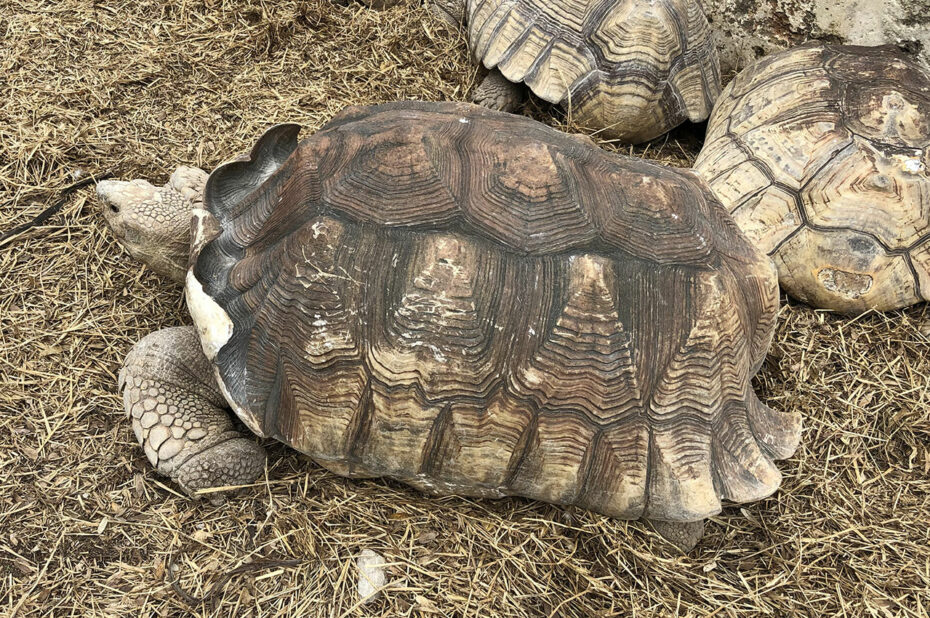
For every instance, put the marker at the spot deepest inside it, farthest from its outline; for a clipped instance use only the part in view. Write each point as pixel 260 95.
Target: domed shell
pixel 630 69
pixel 821 153
pixel 473 303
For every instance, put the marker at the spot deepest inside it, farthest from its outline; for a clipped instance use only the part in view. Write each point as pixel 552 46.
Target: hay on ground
pixel 87 529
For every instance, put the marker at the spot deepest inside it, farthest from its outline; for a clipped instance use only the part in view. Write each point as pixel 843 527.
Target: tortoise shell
pixel 821 153
pixel 473 303
pixel 631 69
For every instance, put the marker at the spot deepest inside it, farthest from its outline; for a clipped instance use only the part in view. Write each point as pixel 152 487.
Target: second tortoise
pixel 629 70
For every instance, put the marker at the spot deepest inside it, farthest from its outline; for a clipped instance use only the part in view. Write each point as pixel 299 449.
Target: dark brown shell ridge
pixel 517 182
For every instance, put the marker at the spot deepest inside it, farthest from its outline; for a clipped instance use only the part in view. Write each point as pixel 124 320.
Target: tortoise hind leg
pixel 176 409
pixel 683 535
pixel 499 93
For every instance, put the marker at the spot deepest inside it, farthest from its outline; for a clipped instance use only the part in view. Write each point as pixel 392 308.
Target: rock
pixel 371 575
pixel 749 29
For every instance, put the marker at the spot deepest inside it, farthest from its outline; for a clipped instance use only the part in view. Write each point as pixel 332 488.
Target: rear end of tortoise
pixel 629 70
pixel 471 303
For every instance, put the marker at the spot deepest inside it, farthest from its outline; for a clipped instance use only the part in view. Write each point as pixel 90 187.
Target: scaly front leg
pixel 452 12
pixel 178 415
pixel 683 535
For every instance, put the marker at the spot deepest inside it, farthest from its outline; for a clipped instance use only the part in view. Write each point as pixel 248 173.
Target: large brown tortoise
pixel 629 69
pixel 466 301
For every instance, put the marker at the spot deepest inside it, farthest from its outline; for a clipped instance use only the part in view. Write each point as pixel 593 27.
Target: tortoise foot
pixel 683 535
pixel 498 93
pixel 450 12
pixel 178 414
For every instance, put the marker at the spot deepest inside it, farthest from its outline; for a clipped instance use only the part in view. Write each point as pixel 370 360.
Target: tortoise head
pixel 153 223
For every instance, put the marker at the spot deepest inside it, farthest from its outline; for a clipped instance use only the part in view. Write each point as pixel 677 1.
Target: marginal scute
pixel 576 342
pixel 850 284
pixel 231 182
pixel 777 432
pixel 320 412
pixel 758 310
pixel 920 257
pixel 820 153
pixel 742 469
pixel 802 258
pixel 401 426
pixel 553 465
pixel 619 470
pixel 745 177
pixel 480 439
pixel 681 486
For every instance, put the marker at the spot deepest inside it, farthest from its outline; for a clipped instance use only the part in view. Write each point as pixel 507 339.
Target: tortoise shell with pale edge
pixel 822 154
pixel 630 69
pixel 473 303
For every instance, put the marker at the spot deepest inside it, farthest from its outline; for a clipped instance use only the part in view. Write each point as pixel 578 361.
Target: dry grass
pixel 86 528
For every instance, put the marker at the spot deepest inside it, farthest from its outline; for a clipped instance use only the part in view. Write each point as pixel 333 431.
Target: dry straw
pixel 86 529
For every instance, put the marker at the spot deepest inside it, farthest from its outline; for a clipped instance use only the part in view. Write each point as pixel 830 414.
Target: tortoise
pixel 821 155
pixel 471 303
pixel 629 69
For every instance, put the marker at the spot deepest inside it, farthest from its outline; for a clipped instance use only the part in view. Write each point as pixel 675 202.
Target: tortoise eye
pixel 114 208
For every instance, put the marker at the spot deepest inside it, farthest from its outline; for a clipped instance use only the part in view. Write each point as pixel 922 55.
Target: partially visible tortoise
pixel 821 153
pixel 469 302
pixel 630 69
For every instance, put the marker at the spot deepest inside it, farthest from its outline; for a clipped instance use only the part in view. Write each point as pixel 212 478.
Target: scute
pixel 865 189
pixel 630 69
pixel 435 321
pixel 480 441
pixel 920 258
pixel 526 190
pixel 844 270
pixel 770 223
pixel 891 115
pixel 618 472
pixel 842 136
pixel 793 151
pixel 553 464
pixel 576 341
pixel 583 360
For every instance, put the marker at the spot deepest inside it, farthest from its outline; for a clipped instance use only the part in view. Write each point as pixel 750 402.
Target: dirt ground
pixel 87 529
